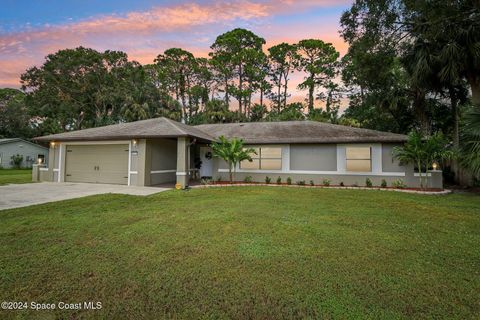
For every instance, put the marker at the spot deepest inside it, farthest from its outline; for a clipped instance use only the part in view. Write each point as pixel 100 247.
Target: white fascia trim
pixel 182 173
pixel 46 169
pixel 346 173
pixel 133 172
pixel 54 170
pixel 61 146
pixel 416 174
pixel 386 174
pixel 96 142
pixel 129 162
pixel 254 171
pixel 163 171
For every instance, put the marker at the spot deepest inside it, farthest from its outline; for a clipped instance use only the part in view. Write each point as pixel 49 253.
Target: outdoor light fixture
pixel 134 142
pixel 52 144
pixel 434 166
pixel 39 160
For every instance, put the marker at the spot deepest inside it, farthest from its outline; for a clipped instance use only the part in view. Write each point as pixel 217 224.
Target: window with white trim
pixel 359 159
pixel 267 158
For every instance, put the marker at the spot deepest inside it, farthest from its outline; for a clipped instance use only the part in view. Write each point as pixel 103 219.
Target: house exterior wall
pixel 150 161
pixel 314 157
pixel 163 160
pixel 389 163
pixel 28 150
pixel 319 162
pixel 156 161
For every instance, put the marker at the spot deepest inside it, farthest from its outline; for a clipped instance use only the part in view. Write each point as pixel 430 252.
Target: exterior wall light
pixel 52 144
pixel 134 142
pixel 39 160
pixel 434 166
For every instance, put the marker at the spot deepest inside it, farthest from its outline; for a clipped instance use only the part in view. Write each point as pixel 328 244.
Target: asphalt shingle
pixel 298 132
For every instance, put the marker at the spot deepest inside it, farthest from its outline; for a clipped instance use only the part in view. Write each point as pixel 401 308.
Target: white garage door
pixel 103 163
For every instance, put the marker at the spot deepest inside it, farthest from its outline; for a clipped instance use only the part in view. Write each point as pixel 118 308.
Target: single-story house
pixel 30 152
pixel 160 150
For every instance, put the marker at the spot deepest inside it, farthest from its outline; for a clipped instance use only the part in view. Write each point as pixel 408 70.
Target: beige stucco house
pixel 160 150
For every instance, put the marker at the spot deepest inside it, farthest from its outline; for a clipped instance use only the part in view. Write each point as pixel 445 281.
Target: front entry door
pixel 206 156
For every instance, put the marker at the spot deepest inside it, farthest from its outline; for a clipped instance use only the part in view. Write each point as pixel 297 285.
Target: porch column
pixel 51 162
pixel 182 161
pixel 143 163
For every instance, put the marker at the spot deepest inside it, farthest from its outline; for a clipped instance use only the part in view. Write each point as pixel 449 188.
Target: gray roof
pixel 10 140
pixel 250 132
pixel 298 132
pixel 151 128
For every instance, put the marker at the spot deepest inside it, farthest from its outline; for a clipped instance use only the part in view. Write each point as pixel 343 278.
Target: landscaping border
pixel 219 185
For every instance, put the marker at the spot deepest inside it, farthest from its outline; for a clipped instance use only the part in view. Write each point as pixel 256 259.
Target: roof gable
pixel 150 128
pixel 12 140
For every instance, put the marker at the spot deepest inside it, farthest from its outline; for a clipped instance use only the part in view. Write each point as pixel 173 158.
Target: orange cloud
pixel 143 35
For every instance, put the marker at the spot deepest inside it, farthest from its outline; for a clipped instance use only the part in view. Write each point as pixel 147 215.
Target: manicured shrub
pixel 248 179
pixel 206 181
pixel 279 180
pixel 312 183
pixel 384 183
pixel 326 182
pixel 301 182
pixel 399 184
pixel 368 183
pixel 342 184
pixel 268 180
pixel 289 180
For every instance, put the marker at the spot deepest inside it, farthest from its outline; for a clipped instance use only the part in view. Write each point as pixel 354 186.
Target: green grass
pixel 247 252
pixel 9 176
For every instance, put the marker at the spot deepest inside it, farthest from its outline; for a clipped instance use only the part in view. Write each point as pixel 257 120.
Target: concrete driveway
pixel 22 195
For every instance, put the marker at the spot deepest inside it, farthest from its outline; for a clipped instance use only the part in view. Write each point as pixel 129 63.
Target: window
pixel 359 159
pixel 267 158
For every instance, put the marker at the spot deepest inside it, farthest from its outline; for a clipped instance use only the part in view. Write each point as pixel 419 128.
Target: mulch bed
pixel 244 184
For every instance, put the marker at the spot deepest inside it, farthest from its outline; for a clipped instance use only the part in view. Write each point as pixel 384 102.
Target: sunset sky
pixel 29 30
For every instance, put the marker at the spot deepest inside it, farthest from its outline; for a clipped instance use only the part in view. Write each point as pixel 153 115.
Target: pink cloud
pixel 143 35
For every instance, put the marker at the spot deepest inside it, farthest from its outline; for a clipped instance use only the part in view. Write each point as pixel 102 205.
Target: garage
pixel 102 163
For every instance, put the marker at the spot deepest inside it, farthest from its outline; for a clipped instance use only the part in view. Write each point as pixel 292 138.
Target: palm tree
pixel 233 152
pixel 412 152
pixel 470 150
pixel 423 152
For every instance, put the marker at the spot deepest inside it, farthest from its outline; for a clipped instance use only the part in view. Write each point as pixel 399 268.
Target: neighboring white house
pixel 31 152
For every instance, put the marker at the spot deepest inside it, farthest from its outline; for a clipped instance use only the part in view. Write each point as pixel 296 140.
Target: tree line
pixel 239 81
pixel 410 66
pixel 415 66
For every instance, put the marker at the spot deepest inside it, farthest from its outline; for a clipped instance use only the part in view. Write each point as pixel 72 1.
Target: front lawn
pixel 246 252
pixel 8 176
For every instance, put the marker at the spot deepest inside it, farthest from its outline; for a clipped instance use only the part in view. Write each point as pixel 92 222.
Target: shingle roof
pixel 10 140
pixel 151 128
pixel 251 132
pixel 298 132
